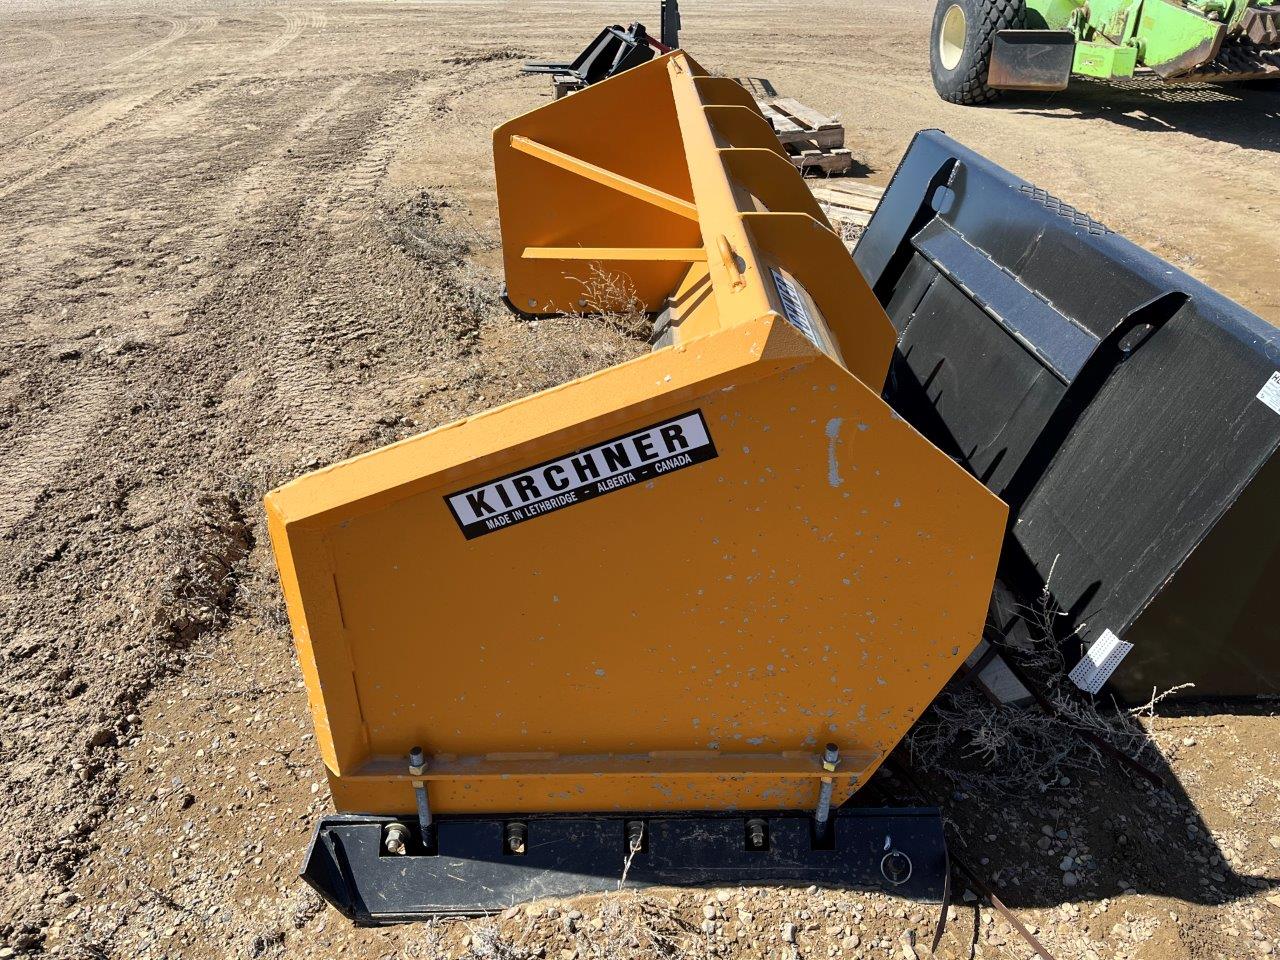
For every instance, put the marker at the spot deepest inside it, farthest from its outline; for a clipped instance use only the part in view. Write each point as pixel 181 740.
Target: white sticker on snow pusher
pixel 793 306
pixel 1097 665
pixel 582 475
pixel 1270 392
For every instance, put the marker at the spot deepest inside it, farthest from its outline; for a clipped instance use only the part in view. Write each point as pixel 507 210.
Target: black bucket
pixel 1127 413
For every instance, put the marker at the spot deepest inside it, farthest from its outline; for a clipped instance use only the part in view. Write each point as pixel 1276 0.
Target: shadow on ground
pixel 1226 113
pixel 1099 834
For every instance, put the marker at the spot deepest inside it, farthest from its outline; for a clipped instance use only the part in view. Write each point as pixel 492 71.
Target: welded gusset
pixel 474 868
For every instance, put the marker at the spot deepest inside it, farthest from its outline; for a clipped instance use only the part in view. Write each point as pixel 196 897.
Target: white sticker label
pixel 1097 665
pixel 1270 392
pixel 793 306
pixel 582 475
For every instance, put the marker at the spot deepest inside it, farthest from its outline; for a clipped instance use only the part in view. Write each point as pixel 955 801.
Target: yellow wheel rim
pixel 951 37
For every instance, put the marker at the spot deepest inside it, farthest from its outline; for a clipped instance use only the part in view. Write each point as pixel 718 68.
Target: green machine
pixel 981 47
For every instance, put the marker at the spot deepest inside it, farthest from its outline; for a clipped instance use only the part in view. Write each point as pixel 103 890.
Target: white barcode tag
pixel 1101 660
pixel 793 307
pixel 1270 392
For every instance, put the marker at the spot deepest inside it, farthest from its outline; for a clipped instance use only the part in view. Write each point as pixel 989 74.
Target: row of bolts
pixel 397 834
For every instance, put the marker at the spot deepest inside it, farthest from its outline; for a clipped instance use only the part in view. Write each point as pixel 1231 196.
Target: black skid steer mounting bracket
pixel 469 868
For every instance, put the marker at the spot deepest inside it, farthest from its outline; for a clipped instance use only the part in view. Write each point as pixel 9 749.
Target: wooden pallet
pixel 830 162
pixel 799 124
pixel 813 140
pixel 848 204
pixel 564 84
pixel 758 87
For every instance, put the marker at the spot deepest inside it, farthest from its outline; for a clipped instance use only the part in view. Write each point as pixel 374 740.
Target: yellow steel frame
pixel 751 208
pixel 688 642
pixel 608 178
pixel 617 254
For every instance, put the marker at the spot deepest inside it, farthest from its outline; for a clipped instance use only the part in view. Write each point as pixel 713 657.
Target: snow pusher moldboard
pixel 656 625
pixel 659 625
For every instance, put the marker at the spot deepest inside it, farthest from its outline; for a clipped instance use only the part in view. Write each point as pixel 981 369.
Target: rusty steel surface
pixel 1261 25
pixel 1031 59
pixel 1237 60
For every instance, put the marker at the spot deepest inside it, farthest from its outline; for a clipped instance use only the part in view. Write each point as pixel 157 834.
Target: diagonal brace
pixel 607 178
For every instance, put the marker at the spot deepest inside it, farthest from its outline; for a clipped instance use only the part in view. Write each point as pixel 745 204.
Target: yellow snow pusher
pixel 656 625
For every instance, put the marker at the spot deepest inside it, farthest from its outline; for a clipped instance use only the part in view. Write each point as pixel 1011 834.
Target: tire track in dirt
pixel 294 23
pixel 101 239
pixel 55 49
pixel 301 375
pixel 352 196
pixel 162 382
pixel 177 30
pixel 38 66
pixel 32 461
pixel 72 135
pixel 261 206
pixel 97 127
pixel 197 207
pixel 184 29
pixel 57 46
pixel 64 138
pixel 81 130
pixel 242 199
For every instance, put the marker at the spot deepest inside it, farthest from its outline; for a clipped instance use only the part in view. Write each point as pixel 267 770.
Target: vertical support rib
pixel 736 271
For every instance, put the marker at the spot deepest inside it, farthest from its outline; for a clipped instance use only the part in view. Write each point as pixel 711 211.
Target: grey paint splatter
pixel 833 466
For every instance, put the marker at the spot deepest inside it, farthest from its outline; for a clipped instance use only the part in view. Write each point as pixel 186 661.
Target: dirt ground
pixel 241 240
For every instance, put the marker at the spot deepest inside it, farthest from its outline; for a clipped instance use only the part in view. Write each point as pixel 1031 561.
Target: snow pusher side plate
pixel 470 872
pixel 664 586
pixel 1128 414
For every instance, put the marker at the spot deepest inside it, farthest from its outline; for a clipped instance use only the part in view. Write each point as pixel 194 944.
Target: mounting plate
pixel 468 870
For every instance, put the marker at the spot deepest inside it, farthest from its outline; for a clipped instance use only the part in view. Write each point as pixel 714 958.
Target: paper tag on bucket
pixel 1101 660
pixel 1270 392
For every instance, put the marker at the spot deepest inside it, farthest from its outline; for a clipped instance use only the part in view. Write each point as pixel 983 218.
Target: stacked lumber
pixel 813 140
pixel 848 204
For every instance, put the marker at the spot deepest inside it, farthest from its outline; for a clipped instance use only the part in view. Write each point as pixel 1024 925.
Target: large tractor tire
pixel 960 46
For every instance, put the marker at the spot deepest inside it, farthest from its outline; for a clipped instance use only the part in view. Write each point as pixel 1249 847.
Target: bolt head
pixel 515 837
pixel 396 835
